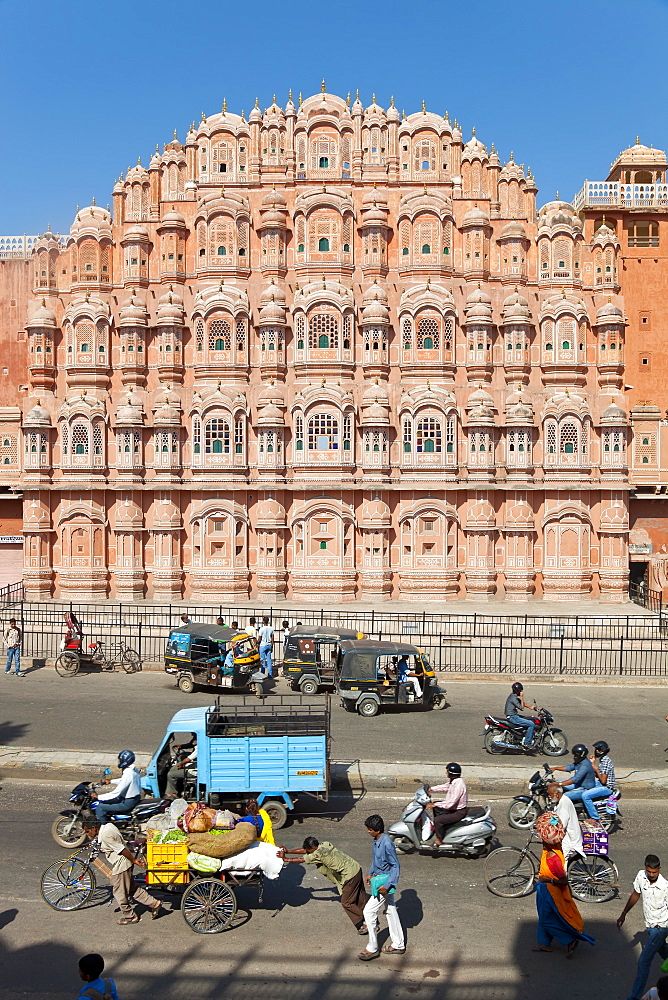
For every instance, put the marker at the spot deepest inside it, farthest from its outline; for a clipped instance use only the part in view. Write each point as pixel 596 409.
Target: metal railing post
pixel 561 654
pixel 500 652
pixel 621 657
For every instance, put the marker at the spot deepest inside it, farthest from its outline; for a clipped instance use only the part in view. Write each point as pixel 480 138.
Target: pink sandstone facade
pixel 325 353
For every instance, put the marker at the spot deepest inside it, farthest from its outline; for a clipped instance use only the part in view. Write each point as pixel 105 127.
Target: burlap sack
pixel 225 844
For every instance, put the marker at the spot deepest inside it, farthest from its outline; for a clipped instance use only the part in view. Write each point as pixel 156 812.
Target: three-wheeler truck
pixel 273 751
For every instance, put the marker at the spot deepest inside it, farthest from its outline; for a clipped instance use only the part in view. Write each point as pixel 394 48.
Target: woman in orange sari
pixel 558 917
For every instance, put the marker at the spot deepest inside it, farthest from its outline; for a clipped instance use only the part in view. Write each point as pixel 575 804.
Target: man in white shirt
pixel 127 793
pixel 266 637
pixel 121 861
pixel 565 810
pixel 652 888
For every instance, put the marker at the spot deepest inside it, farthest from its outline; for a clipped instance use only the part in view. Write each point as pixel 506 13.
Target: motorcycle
pixel 502 736
pixel 470 837
pixel 524 810
pixel 67 829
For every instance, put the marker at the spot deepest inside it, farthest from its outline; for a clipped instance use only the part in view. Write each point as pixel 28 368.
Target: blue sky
pixel 89 86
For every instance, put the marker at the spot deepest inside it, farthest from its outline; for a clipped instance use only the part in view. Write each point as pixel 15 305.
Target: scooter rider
pixel 453 807
pixel 583 778
pixel 604 770
pixel 127 793
pixel 514 704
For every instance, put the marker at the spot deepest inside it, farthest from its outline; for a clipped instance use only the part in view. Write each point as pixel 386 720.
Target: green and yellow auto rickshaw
pixel 309 655
pixel 370 675
pixel 213 656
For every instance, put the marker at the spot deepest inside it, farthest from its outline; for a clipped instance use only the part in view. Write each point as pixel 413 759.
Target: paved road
pixel 463 943
pixel 110 711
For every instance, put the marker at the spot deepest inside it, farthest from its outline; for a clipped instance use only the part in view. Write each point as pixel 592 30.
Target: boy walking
pixel 382 878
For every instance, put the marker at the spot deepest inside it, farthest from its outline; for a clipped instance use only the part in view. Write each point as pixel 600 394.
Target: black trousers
pixel 443 818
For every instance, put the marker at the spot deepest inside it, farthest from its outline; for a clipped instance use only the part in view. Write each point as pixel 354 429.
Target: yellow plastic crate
pixel 165 863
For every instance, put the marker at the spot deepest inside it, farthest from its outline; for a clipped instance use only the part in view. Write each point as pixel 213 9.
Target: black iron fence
pixel 641 594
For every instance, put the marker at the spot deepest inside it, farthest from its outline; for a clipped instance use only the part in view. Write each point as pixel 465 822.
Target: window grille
pixel 80 439
pixel 428 335
pixel 219 335
pixel 323 432
pixel 568 439
pixel 217 437
pixel 323 331
pixel 407 435
pixel 299 432
pixel 428 436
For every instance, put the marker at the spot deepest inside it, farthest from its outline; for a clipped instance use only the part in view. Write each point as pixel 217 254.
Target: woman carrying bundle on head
pixel 558 917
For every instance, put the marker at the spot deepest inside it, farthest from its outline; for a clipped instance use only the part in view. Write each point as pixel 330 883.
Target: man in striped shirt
pixel 604 770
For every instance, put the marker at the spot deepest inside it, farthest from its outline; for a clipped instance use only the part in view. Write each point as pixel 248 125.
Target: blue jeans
pixel 519 720
pixel 655 943
pixel 13 654
pixel 105 810
pixel 265 659
pixel 588 796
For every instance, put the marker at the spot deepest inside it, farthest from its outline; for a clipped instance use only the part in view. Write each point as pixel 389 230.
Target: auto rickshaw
pixel 197 655
pixel 372 674
pixel 309 655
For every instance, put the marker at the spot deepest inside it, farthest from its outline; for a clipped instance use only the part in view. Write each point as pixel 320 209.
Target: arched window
pixel 323 244
pixel 568 438
pixel 425 246
pixel 222 252
pixel 300 333
pixel 299 432
pixel 323 162
pixel 219 335
pixel 80 439
pixel 323 432
pixel 407 435
pixel 407 332
pixel 323 331
pixel 217 437
pixel 428 437
pixel 427 334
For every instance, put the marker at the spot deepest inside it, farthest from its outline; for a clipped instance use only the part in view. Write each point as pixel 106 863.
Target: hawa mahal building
pixel 331 352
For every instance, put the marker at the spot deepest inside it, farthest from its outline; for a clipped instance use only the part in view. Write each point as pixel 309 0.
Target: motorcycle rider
pixel 604 770
pixel 583 778
pixel 453 807
pixel 514 704
pixel 565 810
pixel 127 793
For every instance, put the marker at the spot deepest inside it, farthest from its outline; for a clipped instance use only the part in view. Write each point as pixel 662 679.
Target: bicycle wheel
pixel 510 872
pixel 130 661
pixel 67 885
pixel 208 906
pixel 67 664
pixel 593 878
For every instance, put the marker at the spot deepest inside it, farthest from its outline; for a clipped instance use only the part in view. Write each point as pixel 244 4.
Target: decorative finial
pixel 273 100
pixel 219 385
pixel 373 98
pixel 300 99
pixel 392 101
pixel 92 201
pixel 323 88
pixel 139 161
pixel 324 187
pixel 403 115
pixel 323 381
pixel 493 150
pixel 220 286
pixel 424 107
pixel 447 117
pixel 556 196
pixel 348 100
pixel 203 117
pixel 257 102
pixel 357 94
pixel 242 115
pixel 473 131
pixel 192 126
pixel 48 227
pixel 176 136
pixel 43 303
pixel 87 296
pixel 324 281
pixel 637 140
pixel 157 148
pixel 290 94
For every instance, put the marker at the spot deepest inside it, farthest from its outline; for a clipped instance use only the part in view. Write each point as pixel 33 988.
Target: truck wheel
pixel 186 683
pixel 278 814
pixel 368 707
pixel 308 686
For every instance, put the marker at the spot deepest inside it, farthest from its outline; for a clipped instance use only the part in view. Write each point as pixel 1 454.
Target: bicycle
pixel 69 884
pixel 121 655
pixel 511 872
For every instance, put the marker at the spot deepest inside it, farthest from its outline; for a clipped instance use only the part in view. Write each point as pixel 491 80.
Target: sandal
pixel 540 948
pixel 156 911
pixel 367 956
pixel 363 929
pixel 390 950
pixel 128 920
pixel 570 951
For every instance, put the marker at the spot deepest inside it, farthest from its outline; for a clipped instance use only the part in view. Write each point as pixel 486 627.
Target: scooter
pixel 470 837
pixel 67 828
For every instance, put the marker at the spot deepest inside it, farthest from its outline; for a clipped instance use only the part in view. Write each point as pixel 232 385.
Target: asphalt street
pixel 107 712
pixel 463 942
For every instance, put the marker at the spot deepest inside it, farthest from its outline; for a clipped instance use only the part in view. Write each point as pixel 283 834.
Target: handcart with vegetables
pixel 207 884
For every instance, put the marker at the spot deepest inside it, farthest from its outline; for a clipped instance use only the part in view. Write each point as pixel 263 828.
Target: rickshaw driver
pixel 186 768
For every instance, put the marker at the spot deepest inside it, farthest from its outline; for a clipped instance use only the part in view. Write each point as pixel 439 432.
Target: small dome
pixel 375 312
pixel 640 155
pixel 37 417
pixel 513 229
pixel 135 234
pixel 270 514
pixel 170 309
pixel 376 392
pixel 374 196
pixel 609 313
pixel 475 217
pixel 130 411
pixel 478 307
pixel 375 514
pixel 474 149
pixel 376 415
pixel 274 199
pixel 519 412
pixel 272 293
pixel 129 515
pixel 480 397
pixel 273 313
pixel 42 318
pixel 613 414
pixel 271 392
pixel 168 411
pixel 133 312
pixel 166 515
pixel 92 219
pixel 172 219
pixel 558 213
pixel 516 309
pixel 255 115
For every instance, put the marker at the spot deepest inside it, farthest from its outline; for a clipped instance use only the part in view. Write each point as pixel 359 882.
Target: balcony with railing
pixel 614 194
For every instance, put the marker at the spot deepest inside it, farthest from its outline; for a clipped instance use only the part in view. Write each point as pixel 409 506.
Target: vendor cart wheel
pixel 437 702
pixel 368 707
pixel 278 814
pixel 186 683
pixel 131 661
pixel 208 906
pixel 67 885
pixel 308 686
pixel 67 664
pixel 68 832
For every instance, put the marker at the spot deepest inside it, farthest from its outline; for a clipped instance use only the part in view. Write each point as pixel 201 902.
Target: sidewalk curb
pixel 493 779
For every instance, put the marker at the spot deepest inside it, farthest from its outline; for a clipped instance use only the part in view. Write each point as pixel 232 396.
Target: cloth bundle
pixel 225 845
pixel 258 857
